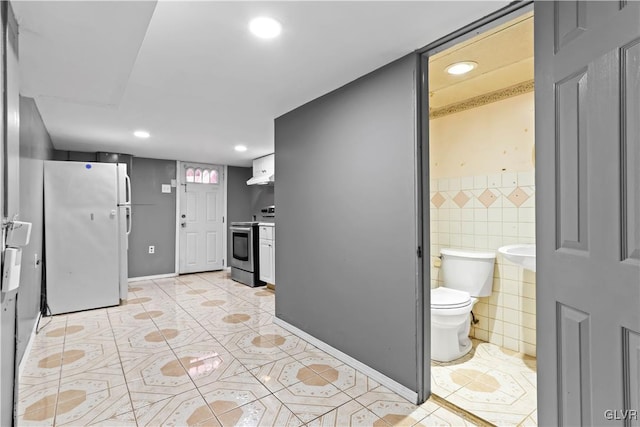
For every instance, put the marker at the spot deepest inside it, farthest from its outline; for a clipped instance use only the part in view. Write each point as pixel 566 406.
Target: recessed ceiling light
pixel 461 67
pixel 265 27
pixel 240 148
pixel 142 134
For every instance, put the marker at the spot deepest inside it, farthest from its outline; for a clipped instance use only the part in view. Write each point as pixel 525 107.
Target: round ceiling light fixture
pixel 463 67
pixel 265 27
pixel 143 134
pixel 240 148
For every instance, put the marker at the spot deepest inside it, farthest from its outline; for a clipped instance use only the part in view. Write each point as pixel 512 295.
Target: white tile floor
pixel 200 350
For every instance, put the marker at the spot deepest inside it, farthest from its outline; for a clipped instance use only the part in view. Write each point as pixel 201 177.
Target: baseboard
pixel 389 383
pixel 27 350
pixel 157 276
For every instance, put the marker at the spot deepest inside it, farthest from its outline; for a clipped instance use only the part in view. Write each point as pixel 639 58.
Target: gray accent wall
pixel 35 147
pixel 10 204
pixel 239 196
pixel 346 200
pixel 261 196
pixel 154 218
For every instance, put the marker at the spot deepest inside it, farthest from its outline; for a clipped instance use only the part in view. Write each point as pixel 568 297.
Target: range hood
pixel 262 180
pixel 263 171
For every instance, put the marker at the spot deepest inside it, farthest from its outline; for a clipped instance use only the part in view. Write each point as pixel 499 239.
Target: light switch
pixel 166 188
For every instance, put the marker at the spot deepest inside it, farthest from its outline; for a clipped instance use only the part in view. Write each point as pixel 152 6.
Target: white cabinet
pixel 264 165
pixel 267 253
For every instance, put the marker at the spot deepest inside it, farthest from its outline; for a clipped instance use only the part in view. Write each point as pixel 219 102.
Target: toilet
pixel 467 275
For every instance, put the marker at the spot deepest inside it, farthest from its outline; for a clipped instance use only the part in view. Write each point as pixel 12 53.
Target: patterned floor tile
pixel 349 380
pixel 184 409
pixel 232 392
pixel 317 360
pixel 255 356
pixel 351 414
pixel 203 371
pixel 157 379
pixel 281 373
pixel 37 404
pixel 43 365
pixel 183 350
pixel 265 412
pixel 83 356
pixel 391 407
pixel 312 397
pixel 86 408
pixel 104 377
pixel 443 417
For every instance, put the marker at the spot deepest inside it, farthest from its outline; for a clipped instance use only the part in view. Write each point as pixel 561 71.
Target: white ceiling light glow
pixel 265 27
pixel 461 67
pixel 142 134
pixel 240 148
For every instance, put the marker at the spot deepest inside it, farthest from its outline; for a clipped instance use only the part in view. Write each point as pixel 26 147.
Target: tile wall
pixel 484 212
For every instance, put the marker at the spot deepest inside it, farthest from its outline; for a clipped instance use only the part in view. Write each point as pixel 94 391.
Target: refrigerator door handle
pixel 129 219
pixel 128 181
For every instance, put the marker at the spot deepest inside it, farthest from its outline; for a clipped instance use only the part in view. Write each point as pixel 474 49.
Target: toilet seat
pixel 446 299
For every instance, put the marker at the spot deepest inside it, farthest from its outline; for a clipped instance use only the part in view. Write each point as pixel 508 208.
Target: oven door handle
pixel 239 229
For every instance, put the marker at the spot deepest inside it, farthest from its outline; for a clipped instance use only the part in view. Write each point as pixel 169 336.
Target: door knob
pixel 183 224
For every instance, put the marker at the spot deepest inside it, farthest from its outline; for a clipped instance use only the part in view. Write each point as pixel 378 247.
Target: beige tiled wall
pixel 484 212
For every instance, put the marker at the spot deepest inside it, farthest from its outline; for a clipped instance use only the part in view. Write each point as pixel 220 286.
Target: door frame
pixel 179 182
pixel 423 317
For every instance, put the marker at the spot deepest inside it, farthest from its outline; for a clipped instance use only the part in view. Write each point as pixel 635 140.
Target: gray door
pixel 588 187
pixel 202 209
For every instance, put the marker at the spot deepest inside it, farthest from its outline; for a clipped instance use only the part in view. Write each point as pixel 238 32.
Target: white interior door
pixel 588 212
pixel 201 218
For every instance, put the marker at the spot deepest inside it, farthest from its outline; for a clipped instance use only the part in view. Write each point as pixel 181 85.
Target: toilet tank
pixel 469 271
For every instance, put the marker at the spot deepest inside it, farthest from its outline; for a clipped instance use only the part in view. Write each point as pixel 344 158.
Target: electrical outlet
pixel 152 249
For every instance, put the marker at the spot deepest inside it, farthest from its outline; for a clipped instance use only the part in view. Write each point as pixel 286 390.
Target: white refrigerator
pixel 87 208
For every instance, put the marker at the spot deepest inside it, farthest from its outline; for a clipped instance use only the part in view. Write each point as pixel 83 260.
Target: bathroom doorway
pixel 482 198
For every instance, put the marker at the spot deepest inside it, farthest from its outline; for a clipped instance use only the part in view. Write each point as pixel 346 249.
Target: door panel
pixel 212 208
pixel 201 241
pixel 572 163
pixel 192 206
pixel 588 278
pixel 630 154
pixel 192 249
pixel 212 247
pixel 574 339
pixel 631 370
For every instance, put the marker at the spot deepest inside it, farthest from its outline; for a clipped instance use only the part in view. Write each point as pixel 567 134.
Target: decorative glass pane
pixel 213 178
pixel 205 176
pixel 190 175
pixel 198 176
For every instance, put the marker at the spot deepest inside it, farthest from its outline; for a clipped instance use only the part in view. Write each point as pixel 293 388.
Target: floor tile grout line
pixel 126 382
pixel 64 341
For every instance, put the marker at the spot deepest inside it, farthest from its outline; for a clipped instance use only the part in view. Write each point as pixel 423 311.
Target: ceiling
pixel 192 75
pixel 504 55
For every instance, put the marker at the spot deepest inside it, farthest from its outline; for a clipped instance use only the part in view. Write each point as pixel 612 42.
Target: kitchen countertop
pixel 267 224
